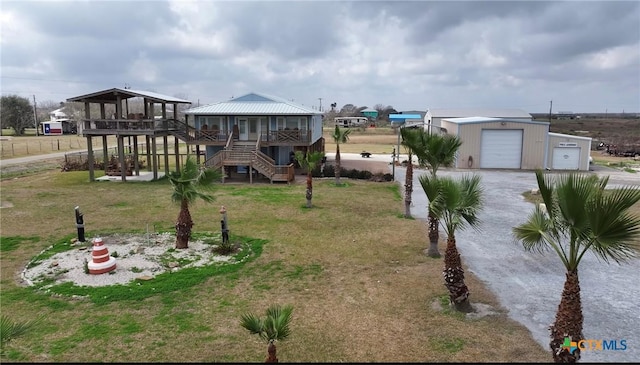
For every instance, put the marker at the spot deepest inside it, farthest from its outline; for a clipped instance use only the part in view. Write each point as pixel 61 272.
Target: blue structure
pixel 397 121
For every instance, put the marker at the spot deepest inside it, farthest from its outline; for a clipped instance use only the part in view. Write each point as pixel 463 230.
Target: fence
pixel 11 147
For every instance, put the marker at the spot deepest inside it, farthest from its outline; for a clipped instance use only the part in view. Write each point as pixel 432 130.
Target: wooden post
pixel 135 155
pixel 105 153
pixel 166 154
pixel 154 158
pixel 123 166
pixel 92 175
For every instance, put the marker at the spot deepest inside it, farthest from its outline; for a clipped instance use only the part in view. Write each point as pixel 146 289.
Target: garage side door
pixel 501 149
pixel 566 158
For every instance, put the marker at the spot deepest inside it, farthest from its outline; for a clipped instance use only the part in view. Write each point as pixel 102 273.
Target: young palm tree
pixel 339 136
pixel 456 205
pixel 309 161
pixel 10 330
pixel 434 151
pixel 274 327
pixel 579 216
pixel 187 185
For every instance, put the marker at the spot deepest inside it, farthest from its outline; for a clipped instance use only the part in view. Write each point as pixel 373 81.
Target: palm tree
pixel 579 216
pixel 410 139
pixel 274 327
pixel 309 161
pixel 434 151
pixel 339 136
pixel 186 185
pixel 456 205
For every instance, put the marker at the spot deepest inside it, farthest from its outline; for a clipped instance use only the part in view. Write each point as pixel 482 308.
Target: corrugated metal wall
pixel 534 142
pixel 582 142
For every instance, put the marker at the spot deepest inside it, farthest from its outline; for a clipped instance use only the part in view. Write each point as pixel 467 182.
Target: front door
pixel 243 134
pixel 253 129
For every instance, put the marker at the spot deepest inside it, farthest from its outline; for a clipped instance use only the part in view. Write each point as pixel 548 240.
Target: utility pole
pixel 320 109
pixel 35 116
pixel 550 106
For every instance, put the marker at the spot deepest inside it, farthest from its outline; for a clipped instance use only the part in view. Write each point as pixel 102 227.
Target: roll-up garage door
pixel 566 158
pixel 501 149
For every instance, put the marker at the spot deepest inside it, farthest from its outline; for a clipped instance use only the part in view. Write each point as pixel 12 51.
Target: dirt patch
pixel 4 204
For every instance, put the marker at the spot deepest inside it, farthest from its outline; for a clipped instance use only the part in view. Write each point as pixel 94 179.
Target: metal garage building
pixel 500 143
pixel 567 152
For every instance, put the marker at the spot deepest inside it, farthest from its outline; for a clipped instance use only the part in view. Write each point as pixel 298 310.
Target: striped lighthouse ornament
pixel 100 262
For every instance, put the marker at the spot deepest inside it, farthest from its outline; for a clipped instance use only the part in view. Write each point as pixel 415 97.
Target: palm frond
pixel 191 180
pixel 429 185
pixel 252 323
pixel 458 202
pixel 340 135
pixel 614 230
pixel 274 326
pixel 10 330
pixel 582 216
pixel 308 161
pixel 433 150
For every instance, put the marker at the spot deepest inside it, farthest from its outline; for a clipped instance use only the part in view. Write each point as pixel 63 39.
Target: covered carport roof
pixel 110 96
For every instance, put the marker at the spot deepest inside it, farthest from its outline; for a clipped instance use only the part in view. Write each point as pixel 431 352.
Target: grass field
pixel 354 270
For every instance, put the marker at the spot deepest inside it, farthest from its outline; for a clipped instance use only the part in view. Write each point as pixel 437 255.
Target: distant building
pixel 68 126
pixel 433 118
pixel 565 115
pixel 414 121
pixel 370 113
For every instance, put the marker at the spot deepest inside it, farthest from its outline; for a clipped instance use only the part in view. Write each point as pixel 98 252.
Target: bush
pixel 330 171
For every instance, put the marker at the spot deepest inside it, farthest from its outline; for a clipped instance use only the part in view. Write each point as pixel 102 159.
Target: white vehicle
pixel 348 122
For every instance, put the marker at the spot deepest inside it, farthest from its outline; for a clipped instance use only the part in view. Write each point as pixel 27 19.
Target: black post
pixel 80 225
pixel 223 225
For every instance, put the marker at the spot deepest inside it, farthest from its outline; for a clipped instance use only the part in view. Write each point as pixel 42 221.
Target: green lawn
pixel 354 271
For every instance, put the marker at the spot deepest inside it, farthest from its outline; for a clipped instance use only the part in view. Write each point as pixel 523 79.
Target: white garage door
pixel 566 158
pixel 501 149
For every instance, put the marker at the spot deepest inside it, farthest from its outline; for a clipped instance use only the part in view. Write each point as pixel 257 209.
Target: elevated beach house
pixel 255 133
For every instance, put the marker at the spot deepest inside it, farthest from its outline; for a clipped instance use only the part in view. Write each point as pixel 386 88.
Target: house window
pixel 292 123
pixel 214 123
pixel 280 124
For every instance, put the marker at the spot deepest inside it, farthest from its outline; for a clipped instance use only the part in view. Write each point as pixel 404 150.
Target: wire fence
pixel 19 148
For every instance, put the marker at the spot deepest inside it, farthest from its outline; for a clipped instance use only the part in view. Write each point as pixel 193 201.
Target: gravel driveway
pixel 529 285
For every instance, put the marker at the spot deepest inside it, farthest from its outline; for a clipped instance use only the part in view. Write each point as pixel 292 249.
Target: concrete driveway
pixel 529 285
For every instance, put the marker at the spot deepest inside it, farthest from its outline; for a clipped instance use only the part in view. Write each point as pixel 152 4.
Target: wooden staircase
pixel 247 153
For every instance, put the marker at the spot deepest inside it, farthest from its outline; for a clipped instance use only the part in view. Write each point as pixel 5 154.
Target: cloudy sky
pixel 582 55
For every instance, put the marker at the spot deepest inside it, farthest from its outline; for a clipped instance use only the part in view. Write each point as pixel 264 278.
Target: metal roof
pixel 253 104
pixel 110 96
pixel 473 120
pixel 571 136
pixel 493 113
pixel 404 116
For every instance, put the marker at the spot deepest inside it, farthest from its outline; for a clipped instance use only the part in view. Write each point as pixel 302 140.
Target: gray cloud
pixel 412 55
